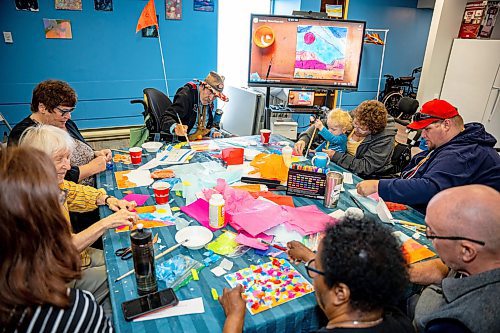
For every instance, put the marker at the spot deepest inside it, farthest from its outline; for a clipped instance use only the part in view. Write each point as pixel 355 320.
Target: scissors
pixel 126 252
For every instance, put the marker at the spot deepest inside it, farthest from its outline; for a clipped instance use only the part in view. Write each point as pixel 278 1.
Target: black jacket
pixel 186 106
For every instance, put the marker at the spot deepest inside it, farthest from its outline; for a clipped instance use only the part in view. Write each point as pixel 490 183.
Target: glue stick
pixel 216 211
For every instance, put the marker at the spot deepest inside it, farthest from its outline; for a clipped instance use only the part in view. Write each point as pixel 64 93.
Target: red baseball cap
pixel 432 111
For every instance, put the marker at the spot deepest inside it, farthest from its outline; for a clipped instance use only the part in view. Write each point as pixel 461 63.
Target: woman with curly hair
pixel 359 275
pixel 37 256
pixel 369 145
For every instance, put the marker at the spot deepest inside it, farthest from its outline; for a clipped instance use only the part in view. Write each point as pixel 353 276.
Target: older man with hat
pixel 192 111
pixel 458 155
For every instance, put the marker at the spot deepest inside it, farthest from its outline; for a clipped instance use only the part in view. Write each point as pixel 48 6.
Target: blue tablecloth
pixel 299 315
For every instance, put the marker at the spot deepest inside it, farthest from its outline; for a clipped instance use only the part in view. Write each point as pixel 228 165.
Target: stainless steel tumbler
pixel 333 186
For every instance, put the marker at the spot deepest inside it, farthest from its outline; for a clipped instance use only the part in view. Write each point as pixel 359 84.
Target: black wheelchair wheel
pixel 391 102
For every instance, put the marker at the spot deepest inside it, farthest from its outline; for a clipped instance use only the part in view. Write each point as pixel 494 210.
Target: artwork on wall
pixel 103 5
pixel 69 4
pixel 58 29
pixel 31 5
pixel 151 31
pixel 204 5
pixel 173 9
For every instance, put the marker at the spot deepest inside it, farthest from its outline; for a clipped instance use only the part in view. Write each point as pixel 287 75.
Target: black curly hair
pixel 53 93
pixel 364 255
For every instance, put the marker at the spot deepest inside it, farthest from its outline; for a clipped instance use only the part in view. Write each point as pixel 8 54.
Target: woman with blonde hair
pixel 80 198
pixel 37 256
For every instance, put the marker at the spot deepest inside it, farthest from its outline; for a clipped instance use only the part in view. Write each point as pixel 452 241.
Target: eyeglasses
pixel 64 112
pixel 431 237
pixel 358 127
pixel 422 116
pixel 310 267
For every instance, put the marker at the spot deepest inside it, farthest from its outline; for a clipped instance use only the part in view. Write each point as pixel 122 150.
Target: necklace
pixel 355 323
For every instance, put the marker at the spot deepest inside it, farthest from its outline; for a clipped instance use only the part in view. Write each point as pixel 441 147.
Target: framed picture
pixel 173 9
pixel 69 4
pixel 103 5
pixel 57 29
pixel 31 5
pixel 204 5
pixel 151 32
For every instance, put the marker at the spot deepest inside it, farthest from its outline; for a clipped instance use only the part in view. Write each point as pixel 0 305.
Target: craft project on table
pixel 133 178
pixel 152 217
pixel 269 285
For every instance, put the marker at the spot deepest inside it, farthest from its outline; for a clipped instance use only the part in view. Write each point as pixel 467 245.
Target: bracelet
pixel 107 198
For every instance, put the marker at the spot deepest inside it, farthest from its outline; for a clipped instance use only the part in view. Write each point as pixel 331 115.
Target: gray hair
pixel 49 139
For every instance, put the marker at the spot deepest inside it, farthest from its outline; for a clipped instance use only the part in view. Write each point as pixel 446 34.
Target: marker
pixel 215 296
pixel 284 249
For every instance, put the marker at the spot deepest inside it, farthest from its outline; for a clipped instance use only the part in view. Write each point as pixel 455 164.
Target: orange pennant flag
pixel 148 17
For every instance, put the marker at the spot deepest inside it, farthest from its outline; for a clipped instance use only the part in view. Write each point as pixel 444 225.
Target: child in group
pixel 339 123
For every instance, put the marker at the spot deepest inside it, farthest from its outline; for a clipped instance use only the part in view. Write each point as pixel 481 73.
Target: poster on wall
pixel 58 29
pixel 103 5
pixel 204 5
pixel 151 31
pixel 31 5
pixel 173 9
pixel 69 4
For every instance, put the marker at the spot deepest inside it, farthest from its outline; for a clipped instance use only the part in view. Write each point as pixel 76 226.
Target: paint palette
pixel 308 184
pixel 270 284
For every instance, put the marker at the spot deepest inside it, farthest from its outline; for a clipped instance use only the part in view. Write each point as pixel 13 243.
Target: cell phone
pixel 149 303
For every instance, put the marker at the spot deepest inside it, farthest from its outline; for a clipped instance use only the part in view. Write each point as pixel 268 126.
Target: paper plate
pixel 197 236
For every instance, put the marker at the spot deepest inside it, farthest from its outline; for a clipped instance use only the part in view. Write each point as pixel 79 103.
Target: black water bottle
pixel 144 260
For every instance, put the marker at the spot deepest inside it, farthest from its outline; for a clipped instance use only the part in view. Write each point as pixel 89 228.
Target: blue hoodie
pixel 469 158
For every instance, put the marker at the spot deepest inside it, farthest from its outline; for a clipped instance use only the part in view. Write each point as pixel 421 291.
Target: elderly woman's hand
pixel 121 217
pixel 106 153
pixel 299 252
pixel 299 146
pixel 115 205
pixel 98 164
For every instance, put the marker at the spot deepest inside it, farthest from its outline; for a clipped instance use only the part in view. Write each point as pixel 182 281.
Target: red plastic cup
pixel 265 136
pixel 161 190
pixel 135 155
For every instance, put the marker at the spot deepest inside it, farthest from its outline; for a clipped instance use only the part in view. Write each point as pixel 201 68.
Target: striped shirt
pixel 83 315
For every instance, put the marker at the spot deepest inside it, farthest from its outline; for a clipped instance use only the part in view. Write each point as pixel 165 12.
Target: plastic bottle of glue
pixel 216 211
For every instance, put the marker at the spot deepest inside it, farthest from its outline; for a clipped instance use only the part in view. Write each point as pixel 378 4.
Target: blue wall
pixel 106 62
pixel 405 48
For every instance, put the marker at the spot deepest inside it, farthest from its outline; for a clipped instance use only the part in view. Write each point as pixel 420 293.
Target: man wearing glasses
pixel 458 155
pixel 463 224
pixel 358 273
pixel 192 111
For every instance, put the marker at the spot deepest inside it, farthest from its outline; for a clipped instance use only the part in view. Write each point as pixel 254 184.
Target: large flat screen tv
pixel 294 51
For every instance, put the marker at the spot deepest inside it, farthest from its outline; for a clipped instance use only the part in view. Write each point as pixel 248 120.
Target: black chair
pixel 155 103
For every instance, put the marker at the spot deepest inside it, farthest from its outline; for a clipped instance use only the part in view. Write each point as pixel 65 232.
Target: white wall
pixel 234 37
pixel 445 25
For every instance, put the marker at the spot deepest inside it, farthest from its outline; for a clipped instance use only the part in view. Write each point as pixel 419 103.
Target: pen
pixel 356 202
pixel 284 249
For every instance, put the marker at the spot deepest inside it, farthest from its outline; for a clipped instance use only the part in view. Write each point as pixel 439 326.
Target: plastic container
pixel 286 152
pixel 144 260
pixel 216 211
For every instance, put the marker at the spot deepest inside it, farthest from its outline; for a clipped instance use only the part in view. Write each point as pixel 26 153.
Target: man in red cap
pixel 458 155
pixel 194 106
